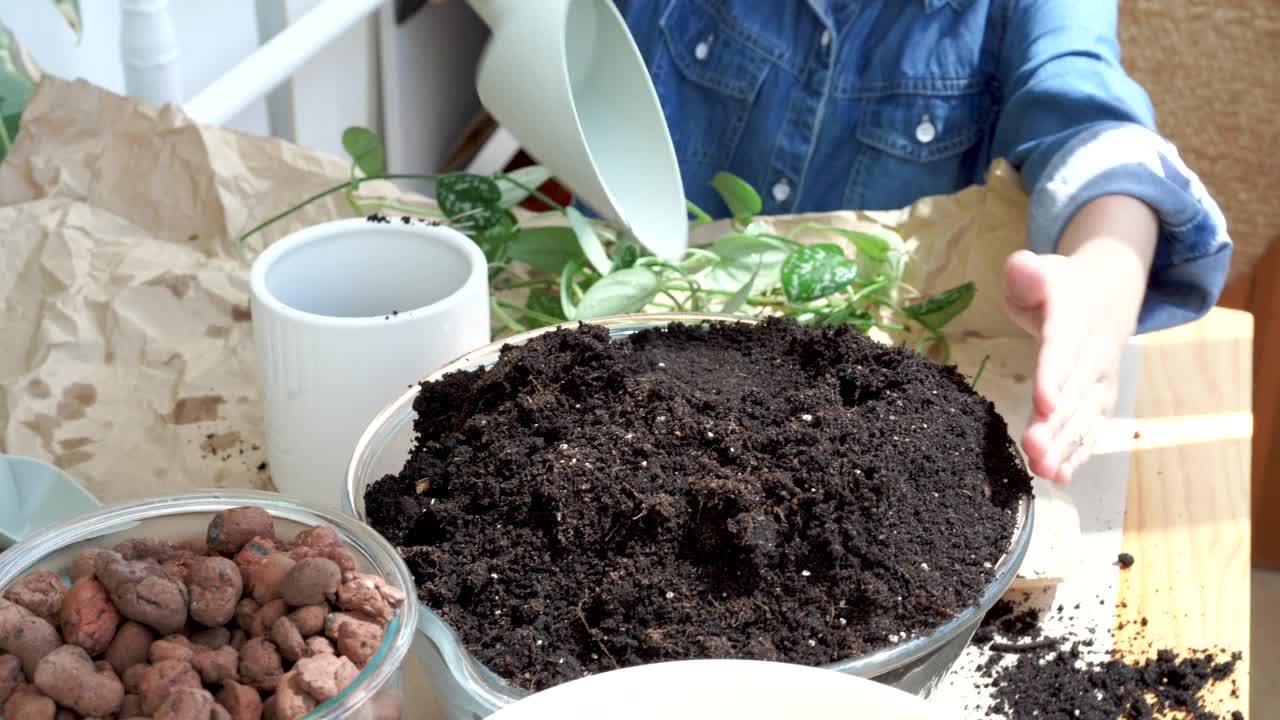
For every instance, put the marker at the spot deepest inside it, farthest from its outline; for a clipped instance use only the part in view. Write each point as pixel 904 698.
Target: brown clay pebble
pixel 319 645
pixel 358 641
pixel 29 704
pixel 267 576
pixel 194 545
pixel 260 665
pixel 238 639
pixel 324 676
pixel 10 676
pixel 360 595
pixel 171 647
pixel 214 584
pixel 156 549
pixel 26 635
pixel 40 591
pixel 131 646
pixel 163 678
pixel 252 555
pixel 310 619
pixel 319 536
pixel 69 677
pixel 310 582
pixel 187 704
pixel 142 591
pixel 287 639
pixel 1124 560
pixel 131 707
pixel 267 616
pixel 87 617
pixel 132 678
pixel 83 565
pixel 217 666
pixel 241 701
pixel 215 637
pixel 231 529
pixel 291 700
pixel 245 610
pixel 783 470
pixel 345 559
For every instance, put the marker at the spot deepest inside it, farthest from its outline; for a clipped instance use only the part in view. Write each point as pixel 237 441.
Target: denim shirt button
pixel 703 49
pixel 781 190
pixel 826 38
pixel 925 131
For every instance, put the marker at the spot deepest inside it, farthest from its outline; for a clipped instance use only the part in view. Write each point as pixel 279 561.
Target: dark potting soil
pixel 733 491
pixel 1067 685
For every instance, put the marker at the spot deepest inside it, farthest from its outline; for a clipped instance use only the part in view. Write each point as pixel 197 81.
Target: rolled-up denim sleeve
pixel 1078 127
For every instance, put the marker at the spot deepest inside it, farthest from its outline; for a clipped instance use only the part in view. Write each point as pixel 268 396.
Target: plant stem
pixel 531 314
pixel 673 298
pixel 318 196
pixel 5 141
pixel 506 319
pixel 698 213
pixel 982 367
pixel 532 191
pixel 526 283
pixel 388 205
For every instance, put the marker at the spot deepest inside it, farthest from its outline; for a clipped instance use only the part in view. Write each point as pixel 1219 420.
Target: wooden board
pixel 1187 519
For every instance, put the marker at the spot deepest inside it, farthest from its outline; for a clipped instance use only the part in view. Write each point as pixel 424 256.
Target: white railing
pixel 151 59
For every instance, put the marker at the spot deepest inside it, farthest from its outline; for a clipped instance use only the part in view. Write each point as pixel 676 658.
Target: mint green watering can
pixel 35 495
pixel 567 80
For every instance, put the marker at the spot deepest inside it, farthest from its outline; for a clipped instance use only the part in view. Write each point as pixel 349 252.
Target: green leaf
pixel 742 256
pixel 463 196
pixel 547 249
pixel 531 176
pixel 881 253
pixel 70 9
pixel 625 256
pixel 743 201
pixel 494 239
pixel 592 249
pixel 545 302
pixel 739 298
pixel 567 274
pixel 366 150
pixel 625 291
pixel 935 312
pixel 816 271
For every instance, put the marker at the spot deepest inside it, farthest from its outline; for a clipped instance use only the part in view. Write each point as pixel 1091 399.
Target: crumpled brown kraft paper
pixel 127 356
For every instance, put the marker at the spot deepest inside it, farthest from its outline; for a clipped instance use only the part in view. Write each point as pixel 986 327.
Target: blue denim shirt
pixel 872 104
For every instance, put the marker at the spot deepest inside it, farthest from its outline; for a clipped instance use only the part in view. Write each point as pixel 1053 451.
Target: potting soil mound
pixel 772 492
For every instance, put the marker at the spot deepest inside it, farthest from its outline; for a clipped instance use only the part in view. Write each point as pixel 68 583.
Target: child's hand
pixel 1083 306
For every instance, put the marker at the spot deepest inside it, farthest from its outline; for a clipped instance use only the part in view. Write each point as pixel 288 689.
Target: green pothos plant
pixel 577 268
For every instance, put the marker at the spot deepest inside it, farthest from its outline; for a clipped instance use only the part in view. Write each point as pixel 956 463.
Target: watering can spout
pixel 566 79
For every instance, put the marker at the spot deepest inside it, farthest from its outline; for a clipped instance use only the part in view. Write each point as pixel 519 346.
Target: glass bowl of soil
pixel 658 487
pixel 378 691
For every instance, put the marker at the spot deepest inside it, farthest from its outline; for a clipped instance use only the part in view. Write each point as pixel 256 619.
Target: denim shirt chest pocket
pixel 707 75
pixel 916 139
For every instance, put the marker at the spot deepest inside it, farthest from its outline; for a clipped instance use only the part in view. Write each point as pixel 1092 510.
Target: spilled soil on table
pixel 765 491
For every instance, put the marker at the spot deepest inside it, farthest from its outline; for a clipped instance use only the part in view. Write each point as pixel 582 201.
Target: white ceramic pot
pixel 346 315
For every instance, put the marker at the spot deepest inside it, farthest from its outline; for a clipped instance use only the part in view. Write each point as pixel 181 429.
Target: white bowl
pixel 707 689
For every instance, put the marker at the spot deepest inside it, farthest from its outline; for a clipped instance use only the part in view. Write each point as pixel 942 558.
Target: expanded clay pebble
pixel 87 618
pixel 68 676
pixel 236 612
pixel 41 592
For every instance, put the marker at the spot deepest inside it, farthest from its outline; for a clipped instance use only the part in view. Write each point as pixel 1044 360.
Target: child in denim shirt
pixel 857 104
